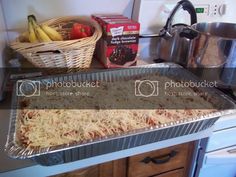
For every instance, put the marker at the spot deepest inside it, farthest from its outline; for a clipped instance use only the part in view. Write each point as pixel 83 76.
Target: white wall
pixel 3 36
pixel 16 11
pixel 3 39
pixel 231 15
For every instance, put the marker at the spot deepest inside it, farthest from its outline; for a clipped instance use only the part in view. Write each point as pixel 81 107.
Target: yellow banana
pixel 41 35
pixel 32 35
pixel 51 32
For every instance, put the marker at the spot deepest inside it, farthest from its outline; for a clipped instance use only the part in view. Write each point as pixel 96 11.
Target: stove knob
pixel 222 9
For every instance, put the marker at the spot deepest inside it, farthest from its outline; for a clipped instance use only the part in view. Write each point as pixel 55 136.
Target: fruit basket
pixel 69 54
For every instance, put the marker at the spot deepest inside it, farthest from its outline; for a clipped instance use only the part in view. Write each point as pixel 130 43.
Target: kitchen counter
pixel 25 168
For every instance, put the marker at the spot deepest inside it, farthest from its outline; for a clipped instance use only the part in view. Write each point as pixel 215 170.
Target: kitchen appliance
pixel 172 47
pixel 212 43
pixel 153 14
pixel 217 154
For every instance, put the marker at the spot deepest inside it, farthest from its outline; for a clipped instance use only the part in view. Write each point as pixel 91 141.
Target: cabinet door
pixel 110 169
pixel 160 161
pixel 175 173
pixel 86 172
pixel 115 168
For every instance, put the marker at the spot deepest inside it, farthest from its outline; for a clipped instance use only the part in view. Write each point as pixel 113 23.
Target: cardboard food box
pixel 101 18
pixel 111 16
pixel 118 46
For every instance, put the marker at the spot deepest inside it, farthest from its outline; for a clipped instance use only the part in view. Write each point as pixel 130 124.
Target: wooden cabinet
pixel 113 169
pixel 174 173
pixel 110 169
pixel 169 162
pixel 156 162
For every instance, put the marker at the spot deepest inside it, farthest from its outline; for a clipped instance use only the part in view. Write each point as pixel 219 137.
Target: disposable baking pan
pixel 72 152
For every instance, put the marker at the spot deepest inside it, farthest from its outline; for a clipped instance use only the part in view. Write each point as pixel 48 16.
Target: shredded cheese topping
pixel 51 127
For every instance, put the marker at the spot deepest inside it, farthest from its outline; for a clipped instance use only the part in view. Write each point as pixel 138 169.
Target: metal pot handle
pixel 188 6
pixel 201 53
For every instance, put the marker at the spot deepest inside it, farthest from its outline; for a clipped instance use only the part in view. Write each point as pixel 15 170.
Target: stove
pixel 217 154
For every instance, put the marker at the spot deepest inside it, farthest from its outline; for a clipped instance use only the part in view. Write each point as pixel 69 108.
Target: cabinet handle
pixel 160 159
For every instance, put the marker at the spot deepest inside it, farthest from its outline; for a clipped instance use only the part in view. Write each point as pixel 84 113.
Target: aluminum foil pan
pixel 72 152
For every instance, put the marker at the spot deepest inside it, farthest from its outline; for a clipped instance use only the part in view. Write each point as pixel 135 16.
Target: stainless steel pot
pixel 171 46
pixel 214 50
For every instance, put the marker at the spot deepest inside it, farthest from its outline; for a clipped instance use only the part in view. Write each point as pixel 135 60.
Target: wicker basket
pixel 68 54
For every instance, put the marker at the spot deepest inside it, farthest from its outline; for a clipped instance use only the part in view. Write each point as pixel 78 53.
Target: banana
pixel 51 32
pixel 32 35
pixel 41 35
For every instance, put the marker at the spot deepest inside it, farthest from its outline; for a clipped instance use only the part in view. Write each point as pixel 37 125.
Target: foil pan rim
pixel 15 151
